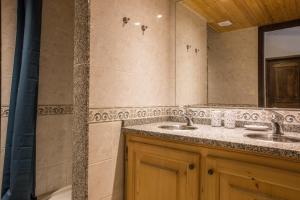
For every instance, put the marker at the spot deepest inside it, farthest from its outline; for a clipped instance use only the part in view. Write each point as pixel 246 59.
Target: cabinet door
pixel 157 173
pixel 234 180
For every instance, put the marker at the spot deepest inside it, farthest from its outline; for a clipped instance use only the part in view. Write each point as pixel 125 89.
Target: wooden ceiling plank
pixel 214 7
pixel 245 9
pixel 292 10
pixel 202 9
pixel 275 8
pixel 216 14
pixel 237 14
pixel 224 14
pixel 297 6
pixel 245 13
pixel 258 12
pixel 286 13
pixel 289 9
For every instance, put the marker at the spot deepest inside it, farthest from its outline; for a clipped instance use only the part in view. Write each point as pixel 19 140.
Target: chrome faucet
pixel 188 116
pixel 277 123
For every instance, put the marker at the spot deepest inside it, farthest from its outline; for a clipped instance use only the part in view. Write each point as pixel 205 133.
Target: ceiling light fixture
pixel 225 23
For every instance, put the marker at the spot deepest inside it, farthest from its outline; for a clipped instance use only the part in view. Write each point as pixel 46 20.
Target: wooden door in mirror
pixel 283 82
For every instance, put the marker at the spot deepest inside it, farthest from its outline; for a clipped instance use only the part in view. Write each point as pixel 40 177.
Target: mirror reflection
pixel 230 60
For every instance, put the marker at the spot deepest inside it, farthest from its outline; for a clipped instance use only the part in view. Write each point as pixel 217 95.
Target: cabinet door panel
pixel 234 180
pixel 158 178
pixel 160 173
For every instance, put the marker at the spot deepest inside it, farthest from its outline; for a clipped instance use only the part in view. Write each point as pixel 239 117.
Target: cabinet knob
pixel 191 166
pixel 210 172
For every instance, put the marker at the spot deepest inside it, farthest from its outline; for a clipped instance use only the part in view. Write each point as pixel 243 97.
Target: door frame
pixel 261 55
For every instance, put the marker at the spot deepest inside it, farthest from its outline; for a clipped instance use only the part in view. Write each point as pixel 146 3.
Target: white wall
pixel 284 42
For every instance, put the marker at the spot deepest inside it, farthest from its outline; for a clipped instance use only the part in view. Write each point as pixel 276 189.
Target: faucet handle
pixel 277 117
pixel 277 122
pixel 185 109
pixel 189 111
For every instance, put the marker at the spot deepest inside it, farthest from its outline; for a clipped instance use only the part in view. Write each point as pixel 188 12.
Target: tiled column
pixel 81 85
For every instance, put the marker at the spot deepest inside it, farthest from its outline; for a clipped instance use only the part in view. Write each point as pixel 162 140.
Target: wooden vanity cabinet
pixel 235 180
pixel 158 173
pixel 162 170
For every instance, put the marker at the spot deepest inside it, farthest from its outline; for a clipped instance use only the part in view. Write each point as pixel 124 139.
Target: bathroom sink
pixel 178 127
pixel 270 137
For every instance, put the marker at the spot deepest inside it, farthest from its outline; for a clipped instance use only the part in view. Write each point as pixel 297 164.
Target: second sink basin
pixel 178 127
pixel 274 138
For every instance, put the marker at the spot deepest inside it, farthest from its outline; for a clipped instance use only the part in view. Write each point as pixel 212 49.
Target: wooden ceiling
pixel 245 13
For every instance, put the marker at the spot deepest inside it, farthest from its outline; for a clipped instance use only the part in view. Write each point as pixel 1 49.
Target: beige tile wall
pixel 191 67
pixel 127 69
pixel 54 142
pixel 130 68
pixel 232 67
pixel 56 61
pixel 106 161
pixel 8 20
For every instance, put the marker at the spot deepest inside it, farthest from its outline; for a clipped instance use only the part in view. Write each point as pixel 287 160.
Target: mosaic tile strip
pixel 225 105
pixel 44 110
pixel 134 122
pixel 81 80
pixel 99 115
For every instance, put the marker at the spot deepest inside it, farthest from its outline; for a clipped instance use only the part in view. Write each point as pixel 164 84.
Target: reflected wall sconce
pixel 125 20
pixel 144 28
pixel 159 16
pixel 197 50
pixel 188 47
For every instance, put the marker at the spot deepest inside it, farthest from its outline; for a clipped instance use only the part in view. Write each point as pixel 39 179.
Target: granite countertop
pixel 221 137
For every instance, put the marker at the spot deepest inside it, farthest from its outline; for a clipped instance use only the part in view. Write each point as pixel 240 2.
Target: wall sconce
pixel 197 50
pixel 188 47
pixel 125 20
pixel 144 28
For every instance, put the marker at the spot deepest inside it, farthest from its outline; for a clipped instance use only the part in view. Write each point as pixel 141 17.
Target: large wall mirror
pixel 247 57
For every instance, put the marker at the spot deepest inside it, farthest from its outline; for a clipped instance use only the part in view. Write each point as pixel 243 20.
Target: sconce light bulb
pixel 159 16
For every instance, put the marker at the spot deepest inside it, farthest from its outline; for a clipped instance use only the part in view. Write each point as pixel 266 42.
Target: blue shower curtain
pixel 18 181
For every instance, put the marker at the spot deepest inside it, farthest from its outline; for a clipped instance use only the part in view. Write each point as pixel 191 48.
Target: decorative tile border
pixel 55 109
pixel 100 115
pixel 251 115
pixel 44 110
